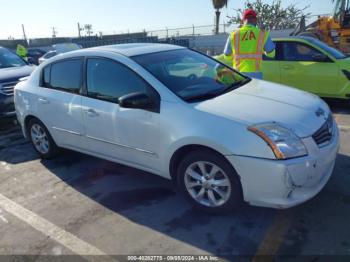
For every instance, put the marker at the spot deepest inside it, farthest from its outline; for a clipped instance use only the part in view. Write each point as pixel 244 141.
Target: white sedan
pixel 224 138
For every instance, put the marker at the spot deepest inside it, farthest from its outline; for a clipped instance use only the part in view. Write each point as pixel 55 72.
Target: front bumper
pixel 7 106
pixel 286 183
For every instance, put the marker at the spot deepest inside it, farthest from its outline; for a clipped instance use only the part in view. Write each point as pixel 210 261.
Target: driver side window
pixel 108 80
pixel 293 51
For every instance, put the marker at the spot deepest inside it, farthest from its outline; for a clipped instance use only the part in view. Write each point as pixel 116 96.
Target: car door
pixel 59 101
pixel 271 66
pixel 307 68
pixel 130 135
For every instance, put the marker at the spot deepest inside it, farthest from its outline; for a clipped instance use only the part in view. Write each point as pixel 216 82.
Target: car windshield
pixel 330 50
pixel 9 59
pixel 191 75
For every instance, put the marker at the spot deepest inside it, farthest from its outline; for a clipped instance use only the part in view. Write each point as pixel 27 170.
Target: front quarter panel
pixel 182 125
pixel 343 91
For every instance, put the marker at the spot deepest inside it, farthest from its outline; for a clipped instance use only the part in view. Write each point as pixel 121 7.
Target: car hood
pixel 261 102
pixel 14 73
pixel 344 63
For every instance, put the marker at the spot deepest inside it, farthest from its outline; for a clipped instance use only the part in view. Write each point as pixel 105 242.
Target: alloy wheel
pixel 207 184
pixel 40 139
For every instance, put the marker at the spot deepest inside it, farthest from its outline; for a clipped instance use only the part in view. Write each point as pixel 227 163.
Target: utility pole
pixel 79 30
pixel 24 33
pixel 54 32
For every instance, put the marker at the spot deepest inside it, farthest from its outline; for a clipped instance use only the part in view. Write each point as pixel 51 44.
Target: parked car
pixel 165 109
pixel 311 65
pixel 47 56
pixel 12 68
pixel 66 47
pixel 59 49
pixel 34 54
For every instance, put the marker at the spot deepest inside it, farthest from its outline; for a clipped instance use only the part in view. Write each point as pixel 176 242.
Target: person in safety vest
pixel 245 46
pixel 22 52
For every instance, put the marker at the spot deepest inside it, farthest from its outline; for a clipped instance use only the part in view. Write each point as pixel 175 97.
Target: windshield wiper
pixel 217 93
pixel 201 97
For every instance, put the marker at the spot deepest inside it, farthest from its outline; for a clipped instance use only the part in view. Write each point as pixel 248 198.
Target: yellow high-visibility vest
pixel 248 48
pixel 21 51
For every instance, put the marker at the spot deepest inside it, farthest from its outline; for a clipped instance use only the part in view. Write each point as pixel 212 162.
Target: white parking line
pixel 3 218
pixel 344 127
pixel 63 237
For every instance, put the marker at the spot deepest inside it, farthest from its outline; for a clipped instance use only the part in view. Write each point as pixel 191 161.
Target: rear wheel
pixel 41 139
pixel 209 182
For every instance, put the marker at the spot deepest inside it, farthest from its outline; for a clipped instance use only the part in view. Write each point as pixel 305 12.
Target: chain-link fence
pixel 113 37
pixel 189 31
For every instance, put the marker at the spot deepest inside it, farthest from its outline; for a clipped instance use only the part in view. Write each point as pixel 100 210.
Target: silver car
pixel 47 56
pixel 179 114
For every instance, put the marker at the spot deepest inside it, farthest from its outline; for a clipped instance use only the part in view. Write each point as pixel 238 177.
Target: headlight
pixel 283 142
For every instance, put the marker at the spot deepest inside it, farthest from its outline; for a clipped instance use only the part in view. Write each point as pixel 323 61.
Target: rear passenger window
pixel 65 76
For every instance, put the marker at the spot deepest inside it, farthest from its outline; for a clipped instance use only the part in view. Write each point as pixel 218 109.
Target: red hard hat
pixel 249 13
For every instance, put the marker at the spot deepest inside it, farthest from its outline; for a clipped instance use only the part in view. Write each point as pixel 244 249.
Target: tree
pixel 272 16
pixel 88 29
pixel 218 4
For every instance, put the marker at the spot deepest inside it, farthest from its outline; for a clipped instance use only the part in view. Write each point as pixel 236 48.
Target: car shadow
pixel 319 226
pixel 152 202
pixel 14 148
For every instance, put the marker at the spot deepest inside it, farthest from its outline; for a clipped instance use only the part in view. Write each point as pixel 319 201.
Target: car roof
pixel 137 48
pixel 307 39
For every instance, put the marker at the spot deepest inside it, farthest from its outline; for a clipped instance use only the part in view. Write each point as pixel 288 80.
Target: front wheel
pixel 209 182
pixel 41 139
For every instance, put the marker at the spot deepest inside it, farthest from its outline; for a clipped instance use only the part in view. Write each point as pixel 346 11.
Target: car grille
pixel 7 88
pixel 325 134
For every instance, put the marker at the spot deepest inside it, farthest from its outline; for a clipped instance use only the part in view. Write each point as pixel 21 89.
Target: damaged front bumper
pixel 286 183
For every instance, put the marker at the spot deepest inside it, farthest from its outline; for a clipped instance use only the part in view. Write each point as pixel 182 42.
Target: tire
pixel 227 192
pixel 44 146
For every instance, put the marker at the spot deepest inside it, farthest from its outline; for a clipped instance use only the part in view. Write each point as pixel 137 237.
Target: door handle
pixel 287 67
pixel 91 112
pixel 43 100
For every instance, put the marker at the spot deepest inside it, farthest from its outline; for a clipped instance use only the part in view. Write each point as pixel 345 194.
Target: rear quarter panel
pixel 25 98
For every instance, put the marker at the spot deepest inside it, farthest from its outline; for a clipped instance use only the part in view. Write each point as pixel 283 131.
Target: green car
pixel 308 64
pixel 311 65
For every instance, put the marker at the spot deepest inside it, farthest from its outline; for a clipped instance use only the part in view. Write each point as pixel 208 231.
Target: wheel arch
pixel 26 122
pixel 181 152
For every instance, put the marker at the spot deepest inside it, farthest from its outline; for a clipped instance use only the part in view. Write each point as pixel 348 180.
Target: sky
pixel 117 16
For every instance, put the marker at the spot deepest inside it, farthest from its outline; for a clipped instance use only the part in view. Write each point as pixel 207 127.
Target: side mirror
pixel 137 101
pixel 321 58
